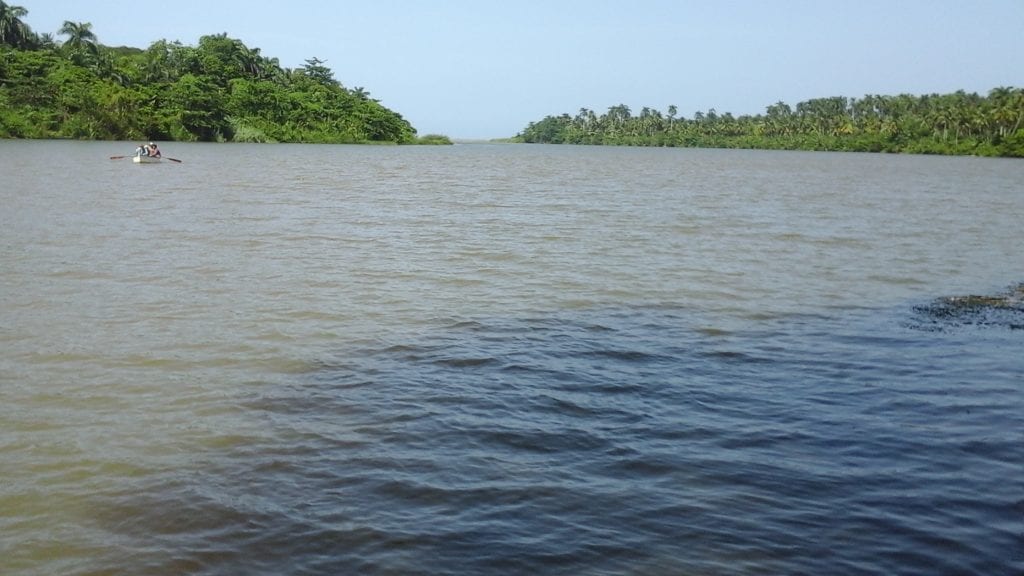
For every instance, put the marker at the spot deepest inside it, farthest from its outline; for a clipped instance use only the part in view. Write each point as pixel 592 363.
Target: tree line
pixel 218 90
pixel 956 124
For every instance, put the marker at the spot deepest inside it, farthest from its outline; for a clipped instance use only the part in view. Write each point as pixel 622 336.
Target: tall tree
pixel 316 70
pixel 14 32
pixel 80 36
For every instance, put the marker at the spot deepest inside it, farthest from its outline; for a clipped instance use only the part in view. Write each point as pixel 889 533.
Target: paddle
pixel 164 157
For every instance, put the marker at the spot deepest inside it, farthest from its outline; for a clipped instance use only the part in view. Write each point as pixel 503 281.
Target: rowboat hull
pixel 145 159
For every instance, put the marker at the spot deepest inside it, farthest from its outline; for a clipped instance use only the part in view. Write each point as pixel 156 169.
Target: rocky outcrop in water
pixel 1003 310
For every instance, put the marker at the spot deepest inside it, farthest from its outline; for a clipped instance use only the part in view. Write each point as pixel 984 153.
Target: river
pixel 507 359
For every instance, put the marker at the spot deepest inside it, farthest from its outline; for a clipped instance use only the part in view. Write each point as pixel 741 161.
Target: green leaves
pixel 13 31
pixel 218 90
pixel 957 123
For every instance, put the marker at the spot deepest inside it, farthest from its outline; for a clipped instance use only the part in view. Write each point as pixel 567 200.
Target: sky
pixel 478 69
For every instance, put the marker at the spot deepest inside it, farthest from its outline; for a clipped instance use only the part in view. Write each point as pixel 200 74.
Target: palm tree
pixel 80 36
pixel 46 41
pixel 13 31
pixel 1005 109
pixel 617 117
pixel 779 117
pixel 943 118
pixel 1017 102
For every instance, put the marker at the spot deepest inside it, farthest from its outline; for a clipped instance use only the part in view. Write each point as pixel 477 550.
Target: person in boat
pixel 142 150
pixel 153 150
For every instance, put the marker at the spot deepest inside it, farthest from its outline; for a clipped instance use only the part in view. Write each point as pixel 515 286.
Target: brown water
pixel 504 359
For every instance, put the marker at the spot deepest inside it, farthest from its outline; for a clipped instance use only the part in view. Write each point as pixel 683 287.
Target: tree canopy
pixel 957 123
pixel 218 90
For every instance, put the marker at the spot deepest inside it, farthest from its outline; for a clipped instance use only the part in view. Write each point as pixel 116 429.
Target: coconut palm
pixel 14 32
pixel 46 41
pixel 80 36
pixel 1006 111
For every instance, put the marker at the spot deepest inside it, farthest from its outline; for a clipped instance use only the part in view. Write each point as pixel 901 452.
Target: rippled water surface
pixel 497 359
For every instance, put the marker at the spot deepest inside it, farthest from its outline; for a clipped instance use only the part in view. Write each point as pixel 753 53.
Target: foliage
pixel 219 90
pixel 957 123
pixel 434 139
pixel 14 32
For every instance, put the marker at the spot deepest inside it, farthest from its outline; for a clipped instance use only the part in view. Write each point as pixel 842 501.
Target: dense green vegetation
pixel 957 123
pixel 220 90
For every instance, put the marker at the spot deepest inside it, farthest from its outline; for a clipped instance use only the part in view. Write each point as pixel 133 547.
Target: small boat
pixel 146 159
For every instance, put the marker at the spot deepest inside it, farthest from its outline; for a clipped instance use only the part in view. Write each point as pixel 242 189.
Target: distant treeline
pixel 220 90
pixel 958 123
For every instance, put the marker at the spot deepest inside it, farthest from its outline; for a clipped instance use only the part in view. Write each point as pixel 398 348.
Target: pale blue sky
pixel 484 69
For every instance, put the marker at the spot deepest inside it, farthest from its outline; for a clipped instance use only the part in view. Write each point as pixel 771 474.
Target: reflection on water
pixel 508 359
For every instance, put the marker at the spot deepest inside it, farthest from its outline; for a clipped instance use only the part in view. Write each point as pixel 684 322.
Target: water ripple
pixel 431 464
pixel 508 360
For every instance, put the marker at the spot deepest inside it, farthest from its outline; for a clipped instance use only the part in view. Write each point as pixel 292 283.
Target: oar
pixel 164 157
